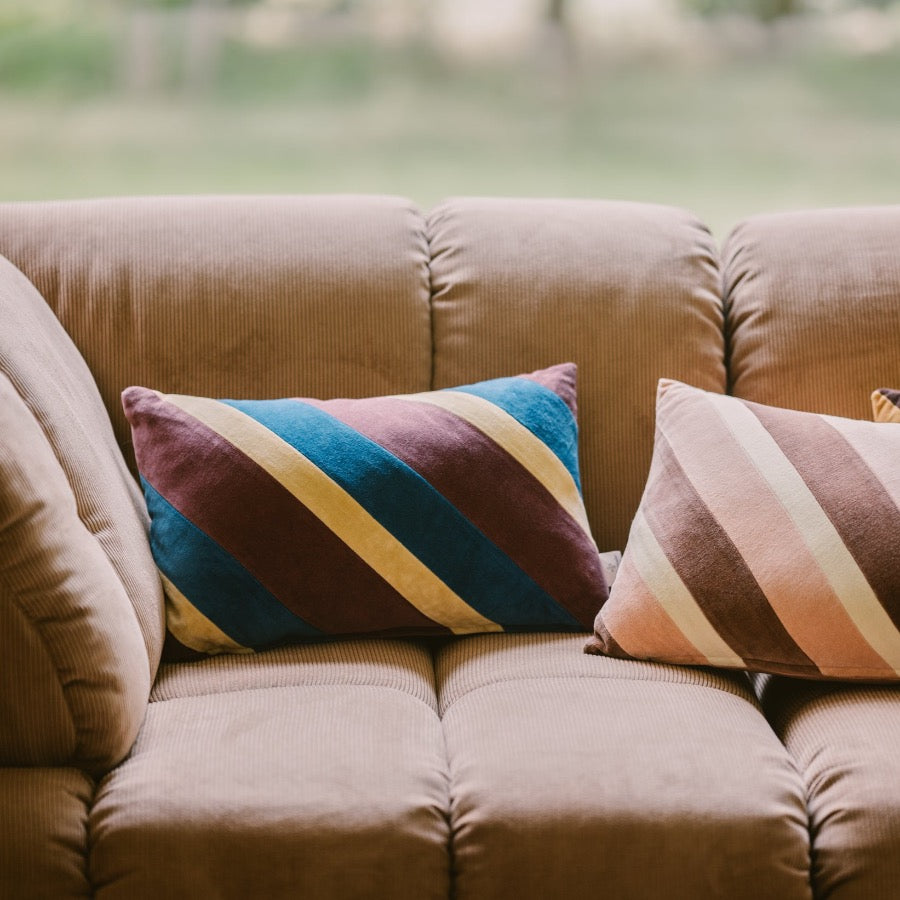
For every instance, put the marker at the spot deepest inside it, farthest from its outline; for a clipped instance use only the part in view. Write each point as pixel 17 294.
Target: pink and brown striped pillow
pixel 766 539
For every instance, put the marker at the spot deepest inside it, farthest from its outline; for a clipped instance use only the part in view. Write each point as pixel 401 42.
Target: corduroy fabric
pixel 47 371
pixel 43 836
pixel 522 284
pixel 467 665
pixel 566 783
pixel 327 791
pixel 812 312
pixel 75 678
pixel 844 739
pixel 404 666
pixel 233 296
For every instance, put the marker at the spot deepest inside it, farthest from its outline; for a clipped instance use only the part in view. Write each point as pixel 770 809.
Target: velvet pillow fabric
pixel 765 539
pixel 886 405
pixel 446 512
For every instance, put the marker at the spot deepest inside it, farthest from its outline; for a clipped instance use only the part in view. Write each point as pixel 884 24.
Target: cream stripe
pixel 340 512
pixel 661 579
pixel 192 628
pixel 523 445
pixel 814 526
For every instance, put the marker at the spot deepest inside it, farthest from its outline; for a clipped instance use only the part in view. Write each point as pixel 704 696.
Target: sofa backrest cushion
pixel 233 296
pixel 629 292
pixel 80 599
pixel 813 308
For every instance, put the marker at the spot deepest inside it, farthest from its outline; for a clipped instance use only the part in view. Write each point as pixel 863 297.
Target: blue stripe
pixel 215 582
pixel 417 515
pixel 540 410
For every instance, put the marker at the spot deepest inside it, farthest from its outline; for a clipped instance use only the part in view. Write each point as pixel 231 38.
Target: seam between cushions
pixel 687 684
pixel 292 687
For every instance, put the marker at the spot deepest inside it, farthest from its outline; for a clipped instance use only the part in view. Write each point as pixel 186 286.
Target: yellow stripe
pixel 652 564
pixel 340 512
pixel 192 628
pixel 815 528
pixel 884 410
pixel 523 445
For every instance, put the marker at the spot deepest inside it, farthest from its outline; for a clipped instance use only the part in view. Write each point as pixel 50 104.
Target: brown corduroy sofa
pixel 488 766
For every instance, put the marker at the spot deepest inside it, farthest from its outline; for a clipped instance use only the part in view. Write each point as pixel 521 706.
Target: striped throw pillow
pixel 886 405
pixel 447 512
pixel 766 539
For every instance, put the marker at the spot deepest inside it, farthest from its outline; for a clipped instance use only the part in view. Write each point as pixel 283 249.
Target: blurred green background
pixel 727 108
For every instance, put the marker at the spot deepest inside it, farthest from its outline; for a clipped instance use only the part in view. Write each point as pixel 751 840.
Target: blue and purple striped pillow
pixel 446 512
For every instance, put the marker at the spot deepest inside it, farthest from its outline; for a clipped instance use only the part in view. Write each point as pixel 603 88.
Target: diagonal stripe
pixel 192 628
pixel 814 526
pixel 683 521
pixel 635 624
pixel 537 408
pixel 465 466
pixel 853 496
pixel 742 502
pixel 518 441
pixel 341 513
pixel 665 584
pixel 261 525
pixel 204 571
pixel 414 514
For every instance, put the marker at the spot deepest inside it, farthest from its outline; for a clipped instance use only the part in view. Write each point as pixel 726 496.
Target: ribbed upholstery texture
pixel 523 284
pixel 233 296
pixel 75 674
pixel 307 791
pixel 404 666
pixel 43 835
pixel 844 739
pixel 812 308
pixel 47 371
pixel 575 776
pixel 75 568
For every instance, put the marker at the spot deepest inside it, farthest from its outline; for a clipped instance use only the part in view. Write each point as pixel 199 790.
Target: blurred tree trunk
pixel 141 49
pixel 203 42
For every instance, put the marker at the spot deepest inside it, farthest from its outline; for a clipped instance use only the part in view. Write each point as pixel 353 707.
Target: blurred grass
pixel 723 137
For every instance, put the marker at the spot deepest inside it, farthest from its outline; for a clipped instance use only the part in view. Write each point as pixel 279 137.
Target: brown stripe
pixel 496 494
pixel 265 528
pixel 712 569
pixel 852 497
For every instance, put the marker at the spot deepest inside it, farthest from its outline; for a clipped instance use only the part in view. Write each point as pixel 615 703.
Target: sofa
pixel 502 764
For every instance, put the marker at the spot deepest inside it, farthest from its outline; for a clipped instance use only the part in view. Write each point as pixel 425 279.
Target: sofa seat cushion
pixel 43 846
pixel 403 665
pixel 844 739
pixel 325 791
pixel 574 776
